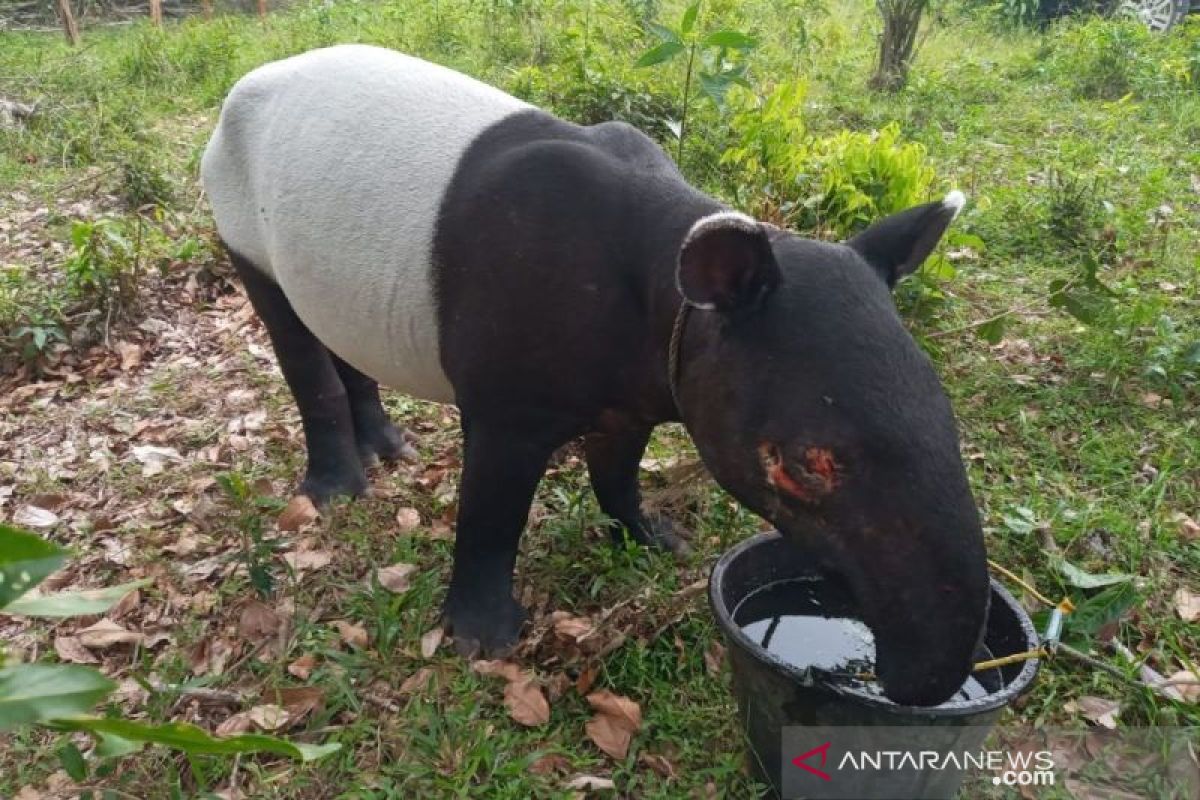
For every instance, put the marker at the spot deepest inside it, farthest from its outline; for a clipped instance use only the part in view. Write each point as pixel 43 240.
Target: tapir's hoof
pixel 485 632
pixel 389 444
pixel 322 488
pixel 663 533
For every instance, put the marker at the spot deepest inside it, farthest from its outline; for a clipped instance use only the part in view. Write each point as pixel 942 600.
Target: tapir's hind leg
pixel 613 461
pixel 334 467
pixel 375 435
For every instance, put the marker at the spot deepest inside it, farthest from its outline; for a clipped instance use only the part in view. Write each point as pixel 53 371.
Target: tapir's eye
pixel 815 474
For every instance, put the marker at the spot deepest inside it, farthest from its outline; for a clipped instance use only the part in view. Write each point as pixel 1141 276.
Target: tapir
pixel 395 222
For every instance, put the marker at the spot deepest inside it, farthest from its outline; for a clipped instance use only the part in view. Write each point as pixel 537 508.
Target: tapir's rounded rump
pixel 799 657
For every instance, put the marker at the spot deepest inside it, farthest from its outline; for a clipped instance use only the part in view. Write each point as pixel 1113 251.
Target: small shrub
pixel 865 176
pixel 1072 208
pixel 770 152
pixel 1107 59
pixel 142 181
pixel 836 184
pixel 103 263
pixel 592 94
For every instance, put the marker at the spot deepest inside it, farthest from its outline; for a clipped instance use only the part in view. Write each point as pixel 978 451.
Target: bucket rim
pixel 815 677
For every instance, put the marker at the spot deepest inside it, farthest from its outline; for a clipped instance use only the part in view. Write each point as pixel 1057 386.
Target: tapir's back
pixel 327 171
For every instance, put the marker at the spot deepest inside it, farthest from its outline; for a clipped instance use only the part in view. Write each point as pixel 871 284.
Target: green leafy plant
pixel 862 177
pixel 103 263
pixel 61 696
pixel 1108 59
pixel 35 339
pixel 770 152
pixel 836 184
pixel 257 552
pixel 142 180
pixel 718 69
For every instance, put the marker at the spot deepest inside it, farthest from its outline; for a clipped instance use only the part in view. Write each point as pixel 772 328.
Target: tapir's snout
pixel 926 634
pixel 923 590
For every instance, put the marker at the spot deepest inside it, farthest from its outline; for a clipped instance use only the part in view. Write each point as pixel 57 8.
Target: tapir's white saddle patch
pixel 327 171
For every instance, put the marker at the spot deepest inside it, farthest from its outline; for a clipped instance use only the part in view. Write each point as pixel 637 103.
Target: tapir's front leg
pixel 501 470
pixel 613 461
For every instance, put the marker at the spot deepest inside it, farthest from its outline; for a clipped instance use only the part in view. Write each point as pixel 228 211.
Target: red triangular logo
pixel 823 750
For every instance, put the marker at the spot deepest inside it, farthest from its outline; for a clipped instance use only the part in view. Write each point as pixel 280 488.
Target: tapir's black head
pixel 811 404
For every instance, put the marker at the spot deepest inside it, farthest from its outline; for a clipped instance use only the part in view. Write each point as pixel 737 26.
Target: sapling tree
pixel 716 71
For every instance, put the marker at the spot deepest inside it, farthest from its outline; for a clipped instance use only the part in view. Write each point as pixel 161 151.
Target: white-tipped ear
pixel 897 245
pixel 954 202
pixel 725 261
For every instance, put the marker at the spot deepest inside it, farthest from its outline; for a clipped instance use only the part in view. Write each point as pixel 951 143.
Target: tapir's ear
pixel 726 262
pixel 896 245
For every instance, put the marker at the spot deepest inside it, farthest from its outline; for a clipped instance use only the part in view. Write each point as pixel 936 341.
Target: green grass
pixel 1063 150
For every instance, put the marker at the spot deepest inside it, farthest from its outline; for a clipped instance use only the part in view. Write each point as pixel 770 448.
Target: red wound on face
pixel 817 478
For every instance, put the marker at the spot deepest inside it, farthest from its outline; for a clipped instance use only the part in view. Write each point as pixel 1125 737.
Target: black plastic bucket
pixel 773 694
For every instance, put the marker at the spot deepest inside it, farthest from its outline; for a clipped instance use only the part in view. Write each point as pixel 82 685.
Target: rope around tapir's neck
pixel 673 353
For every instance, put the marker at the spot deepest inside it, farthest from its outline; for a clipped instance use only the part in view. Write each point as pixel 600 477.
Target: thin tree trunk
pixel 206 7
pixel 262 10
pixel 70 29
pixel 156 13
pixel 897 41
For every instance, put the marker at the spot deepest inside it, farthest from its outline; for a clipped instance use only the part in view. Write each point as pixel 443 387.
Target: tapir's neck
pixel 678 214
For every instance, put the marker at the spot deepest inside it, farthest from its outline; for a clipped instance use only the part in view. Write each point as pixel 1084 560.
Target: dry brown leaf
pixel 1187 605
pixel 407 519
pixel 71 650
pixel 130 693
pixel 107 633
pixel 417 681
pixel 353 635
pixel 211 655
pixel 621 708
pixel 1189 528
pixel 131 355
pixel 307 560
pixel 505 669
pixel 303 666
pixel 431 641
pixel 126 604
pixel 269 717
pixel 526 703
pixel 659 764
pixel 617 718
pixel 34 517
pixel 396 577
pixel 258 621
pixel 154 459
pixel 550 764
pixel 234 725
pixel 1188 684
pixel 572 627
pixel 591 783
pixel 298 701
pixel 583 684
pixel 1099 710
pixel 299 512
